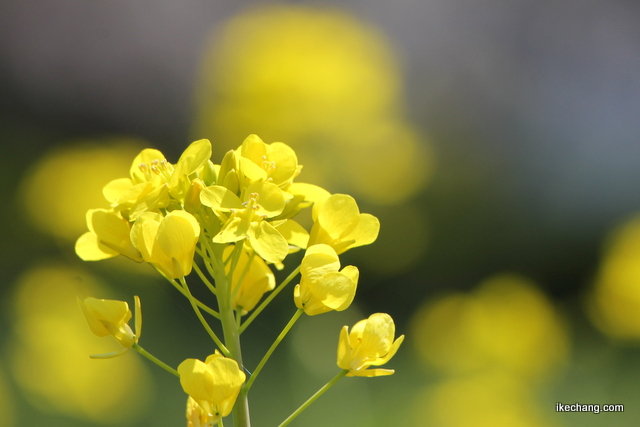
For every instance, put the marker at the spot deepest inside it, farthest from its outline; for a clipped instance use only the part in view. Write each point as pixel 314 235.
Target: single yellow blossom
pixel 154 181
pixel 214 384
pixel 110 317
pixel 257 279
pixel 169 242
pixel 340 224
pixel 322 287
pixel 108 236
pixel 275 162
pixel 370 343
pixel 247 219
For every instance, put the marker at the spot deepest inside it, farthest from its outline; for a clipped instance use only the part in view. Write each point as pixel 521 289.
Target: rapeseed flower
pixel 108 236
pixel 110 317
pixel 322 287
pixel 340 224
pixel 214 384
pixel 370 343
pixel 154 181
pixel 275 162
pixel 246 219
pixel 169 242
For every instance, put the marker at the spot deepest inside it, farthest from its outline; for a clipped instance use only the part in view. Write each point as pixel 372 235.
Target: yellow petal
pixel 252 171
pixel 112 231
pixel 268 242
pixel 333 291
pixel 270 198
pixel 196 380
pixel 100 312
pixel 344 349
pixel 144 232
pixel 367 230
pixel 318 261
pixel 146 156
pixel 220 198
pixel 377 336
pixel 195 155
pixel 311 193
pixel 89 248
pixel 175 244
pixel 339 215
pixel 115 189
pixel 294 233
pixel 228 380
pixel 138 316
pixel 370 372
pixel 286 163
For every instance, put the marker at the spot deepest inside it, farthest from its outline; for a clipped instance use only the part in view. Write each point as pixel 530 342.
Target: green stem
pixel 206 326
pixel 313 398
pixel 232 340
pixel 270 298
pixel 199 303
pixel 154 359
pixel 269 352
pixel 204 279
pixel 245 270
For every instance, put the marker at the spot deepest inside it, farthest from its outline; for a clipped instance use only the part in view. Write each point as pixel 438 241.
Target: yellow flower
pixel 110 317
pixel 263 200
pixel 154 181
pixel 257 278
pixel 107 237
pixel 322 287
pixel 275 162
pixel 370 343
pixel 340 224
pixel 169 242
pixel 214 384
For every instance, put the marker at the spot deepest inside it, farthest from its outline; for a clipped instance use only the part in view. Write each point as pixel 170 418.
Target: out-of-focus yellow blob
pixel 322 82
pixel 51 347
pixel 490 399
pixel 507 323
pixel 7 411
pixel 68 181
pixel 615 301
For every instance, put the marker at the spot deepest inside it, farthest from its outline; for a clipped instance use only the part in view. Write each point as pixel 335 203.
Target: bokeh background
pixel 498 143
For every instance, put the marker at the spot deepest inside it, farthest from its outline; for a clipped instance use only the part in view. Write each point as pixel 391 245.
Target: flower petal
pixel 268 242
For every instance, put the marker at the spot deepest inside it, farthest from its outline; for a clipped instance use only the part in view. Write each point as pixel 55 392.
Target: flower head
pixel 213 384
pixel 275 162
pixel 340 224
pixel 247 219
pixel 322 287
pixel 110 317
pixel 154 181
pixel 370 343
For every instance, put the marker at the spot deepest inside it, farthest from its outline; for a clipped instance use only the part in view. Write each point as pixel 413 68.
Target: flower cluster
pixel 229 223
